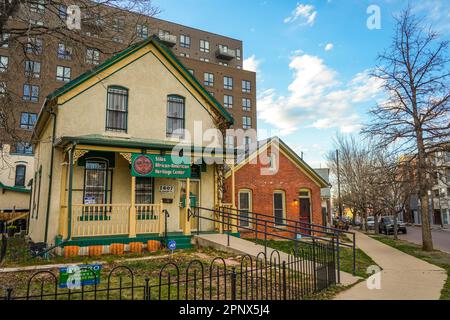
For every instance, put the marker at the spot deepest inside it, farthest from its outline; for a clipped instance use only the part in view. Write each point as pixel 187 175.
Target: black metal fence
pixel 296 276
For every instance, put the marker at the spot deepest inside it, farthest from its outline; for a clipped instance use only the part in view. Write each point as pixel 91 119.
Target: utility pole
pixel 339 184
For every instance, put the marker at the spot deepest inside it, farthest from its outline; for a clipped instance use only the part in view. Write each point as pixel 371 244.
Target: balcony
pixel 168 39
pixel 225 54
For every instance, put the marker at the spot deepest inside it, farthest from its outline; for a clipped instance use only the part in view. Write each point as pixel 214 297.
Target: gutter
pixel 50 176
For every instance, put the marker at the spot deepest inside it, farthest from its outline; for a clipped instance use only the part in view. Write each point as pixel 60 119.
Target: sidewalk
pixel 403 277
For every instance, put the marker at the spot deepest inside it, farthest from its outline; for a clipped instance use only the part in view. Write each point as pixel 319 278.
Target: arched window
pixel 175 116
pixel 20 175
pixel 117 109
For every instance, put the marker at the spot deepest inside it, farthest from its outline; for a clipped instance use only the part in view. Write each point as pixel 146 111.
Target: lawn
pixel 363 261
pixel 438 258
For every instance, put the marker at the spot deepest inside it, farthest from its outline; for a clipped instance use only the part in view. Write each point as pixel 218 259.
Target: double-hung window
pixel 24 148
pixel 30 93
pixel 246 86
pixel 142 31
pixel 63 73
pixel 92 56
pixel 228 101
pixel 64 52
pixel 246 122
pixel 175 116
pixel 117 109
pixel 34 46
pixel 4 40
pixel 204 46
pixel 27 120
pixel 32 69
pixel 95 182
pixel 245 202
pixel 279 207
pixel 185 41
pixel 20 175
pixel 4 63
pixel 118 24
pixel 246 104
pixel 208 79
pixel 228 83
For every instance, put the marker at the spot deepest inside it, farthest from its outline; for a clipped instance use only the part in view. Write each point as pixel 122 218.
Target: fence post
pixel 9 294
pixel 338 258
pixel 314 264
pixel 265 238
pixel 233 283
pixel 284 281
pixel 147 289
pixel 354 254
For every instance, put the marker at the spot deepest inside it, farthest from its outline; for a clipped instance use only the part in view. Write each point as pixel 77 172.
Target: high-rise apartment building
pixel 34 65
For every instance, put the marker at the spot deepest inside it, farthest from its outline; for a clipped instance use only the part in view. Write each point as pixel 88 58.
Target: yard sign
pixel 160 166
pixel 77 276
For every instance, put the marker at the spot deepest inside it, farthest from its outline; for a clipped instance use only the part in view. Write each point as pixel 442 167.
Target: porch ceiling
pixel 118 144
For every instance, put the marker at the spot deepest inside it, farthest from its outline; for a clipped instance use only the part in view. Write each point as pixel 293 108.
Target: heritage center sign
pixel 160 166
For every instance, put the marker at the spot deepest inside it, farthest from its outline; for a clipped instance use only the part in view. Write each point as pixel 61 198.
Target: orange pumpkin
pixel 95 250
pixel 153 245
pixel 116 248
pixel 71 251
pixel 136 247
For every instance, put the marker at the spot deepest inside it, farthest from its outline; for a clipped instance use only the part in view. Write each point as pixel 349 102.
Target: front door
pixel 305 210
pixel 195 194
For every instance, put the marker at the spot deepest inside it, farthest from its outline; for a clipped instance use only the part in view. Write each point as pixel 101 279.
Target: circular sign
pixel 172 245
pixel 143 165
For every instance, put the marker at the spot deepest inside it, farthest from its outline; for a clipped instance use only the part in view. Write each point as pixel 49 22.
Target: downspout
pixel 50 176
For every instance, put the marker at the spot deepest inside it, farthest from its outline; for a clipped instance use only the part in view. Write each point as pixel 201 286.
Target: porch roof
pixel 137 143
pixel 14 188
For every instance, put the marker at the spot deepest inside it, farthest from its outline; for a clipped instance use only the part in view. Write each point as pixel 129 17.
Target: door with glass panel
pixel 95 187
pixel 144 196
pixel 195 199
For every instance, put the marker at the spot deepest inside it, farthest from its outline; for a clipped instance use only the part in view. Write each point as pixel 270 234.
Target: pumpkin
pixel 136 247
pixel 153 245
pixel 116 248
pixel 95 250
pixel 71 251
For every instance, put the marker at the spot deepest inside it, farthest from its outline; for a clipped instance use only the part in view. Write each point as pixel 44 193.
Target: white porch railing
pixel 91 220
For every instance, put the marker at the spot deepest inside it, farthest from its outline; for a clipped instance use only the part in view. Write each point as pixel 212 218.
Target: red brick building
pixel 274 180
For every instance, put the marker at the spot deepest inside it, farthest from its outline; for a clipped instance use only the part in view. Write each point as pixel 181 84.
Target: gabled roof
pixel 291 155
pixel 167 53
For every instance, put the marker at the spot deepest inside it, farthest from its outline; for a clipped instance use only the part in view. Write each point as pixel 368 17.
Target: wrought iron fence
pixel 297 276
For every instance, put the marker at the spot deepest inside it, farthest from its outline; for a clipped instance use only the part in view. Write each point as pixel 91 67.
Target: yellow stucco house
pixel 106 143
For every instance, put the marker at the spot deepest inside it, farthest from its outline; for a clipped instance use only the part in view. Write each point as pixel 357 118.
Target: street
pixel 441 238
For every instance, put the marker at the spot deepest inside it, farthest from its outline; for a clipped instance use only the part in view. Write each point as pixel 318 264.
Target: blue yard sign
pixel 172 245
pixel 74 277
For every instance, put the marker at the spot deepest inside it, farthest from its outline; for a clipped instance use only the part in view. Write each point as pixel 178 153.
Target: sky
pixel 312 58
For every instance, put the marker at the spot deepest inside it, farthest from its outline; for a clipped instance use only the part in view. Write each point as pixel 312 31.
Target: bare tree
pixel 26 26
pixel 415 117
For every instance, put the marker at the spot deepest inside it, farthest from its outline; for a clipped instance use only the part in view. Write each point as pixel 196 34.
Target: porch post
pixel 186 222
pixel 162 218
pixel 132 218
pixel 233 201
pixel 63 216
pixel 69 193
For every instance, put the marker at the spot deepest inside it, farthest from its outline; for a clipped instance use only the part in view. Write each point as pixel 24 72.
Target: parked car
pixel 386 225
pixel 341 223
pixel 370 223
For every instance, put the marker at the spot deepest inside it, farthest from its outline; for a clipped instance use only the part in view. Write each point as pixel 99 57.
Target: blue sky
pixel 312 59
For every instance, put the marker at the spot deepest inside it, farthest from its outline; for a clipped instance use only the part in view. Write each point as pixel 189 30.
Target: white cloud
pixel 252 64
pixel 329 47
pixel 304 13
pixel 317 99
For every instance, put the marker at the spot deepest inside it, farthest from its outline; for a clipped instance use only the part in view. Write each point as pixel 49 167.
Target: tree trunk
pixel 395 226
pixel 375 224
pixel 427 240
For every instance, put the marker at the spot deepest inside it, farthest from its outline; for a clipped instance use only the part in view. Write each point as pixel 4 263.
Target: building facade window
pixel 183 54
pixel 142 31
pixel 2 88
pixel 228 83
pixel 34 46
pixel 185 41
pixel 19 180
pixel 63 73
pixel 208 79
pixel 229 142
pixel 204 59
pixel 37 6
pixel 246 86
pixel 32 69
pixel 117 109
pixel 204 46
pixel 245 207
pixel 246 122
pixel 24 148
pixel 279 207
pixel 246 104
pixel 62 12
pixel 118 24
pixel 30 93
pixel 64 51
pixel 228 101
pixel 117 39
pixel 95 181
pixel 4 61
pixel 144 190
pixel 27 120
pixel 175 116
pixel 92 56
pixel 4 40
pixel 238 54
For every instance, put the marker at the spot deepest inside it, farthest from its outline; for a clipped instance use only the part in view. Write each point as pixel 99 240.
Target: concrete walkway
pixel 242 246
pixel 403 277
